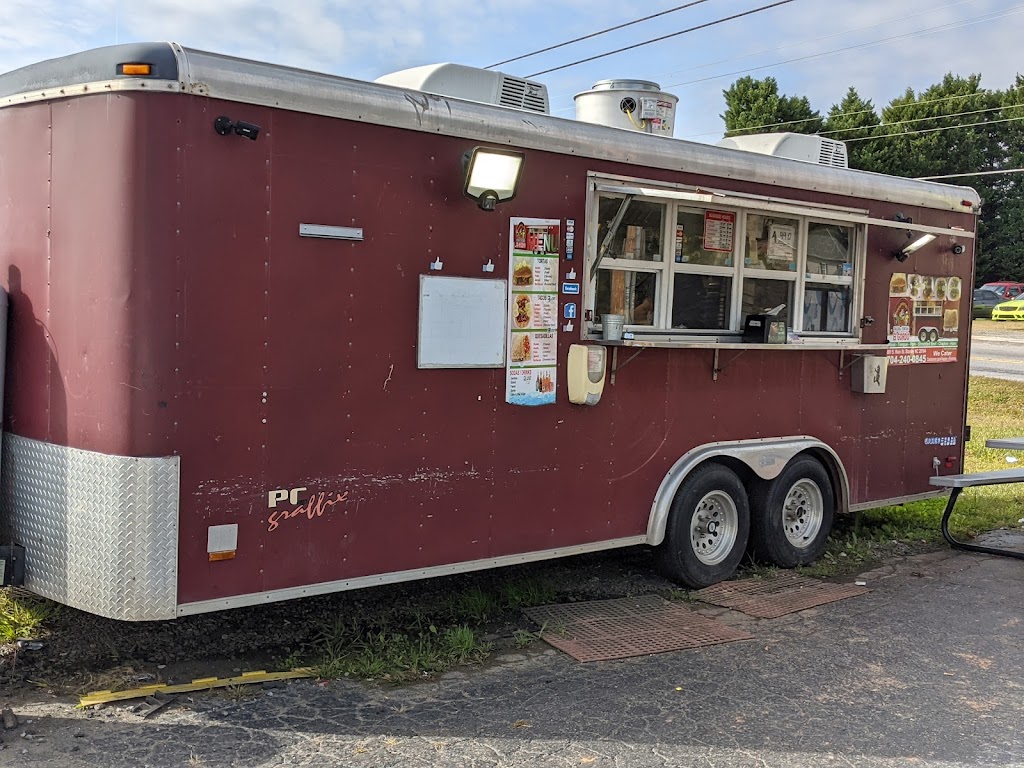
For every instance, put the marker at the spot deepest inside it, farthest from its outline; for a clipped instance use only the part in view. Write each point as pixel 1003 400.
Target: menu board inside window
pixel 719 231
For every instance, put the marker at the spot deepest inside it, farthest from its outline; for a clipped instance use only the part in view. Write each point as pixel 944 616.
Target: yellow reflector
pixel 216 556
pixel 136 69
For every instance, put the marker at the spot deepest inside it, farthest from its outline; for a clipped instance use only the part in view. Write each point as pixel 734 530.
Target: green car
pixel 1009 310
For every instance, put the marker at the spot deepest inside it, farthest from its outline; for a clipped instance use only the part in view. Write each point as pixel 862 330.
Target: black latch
pixel 12 566
pixel 967 433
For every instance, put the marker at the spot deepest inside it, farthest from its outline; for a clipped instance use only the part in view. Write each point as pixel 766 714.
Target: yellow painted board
pixel 202 684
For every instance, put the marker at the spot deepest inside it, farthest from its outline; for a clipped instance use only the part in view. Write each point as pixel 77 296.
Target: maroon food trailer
pixel 276 333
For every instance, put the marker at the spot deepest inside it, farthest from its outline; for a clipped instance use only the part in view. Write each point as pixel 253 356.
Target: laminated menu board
pixel 924 318
pixel 531 367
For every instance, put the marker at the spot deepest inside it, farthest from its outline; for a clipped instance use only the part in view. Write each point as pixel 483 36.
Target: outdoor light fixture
pixel 492 175
pixel 917 245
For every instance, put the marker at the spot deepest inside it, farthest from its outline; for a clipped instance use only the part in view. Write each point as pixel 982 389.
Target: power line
pixel 856 112
pixel 917 119
pixel 812 40
pixel 962 175
pixel 790 45
pixel 659 39
pixel 928 30
pixel 935 130
pixel 596 34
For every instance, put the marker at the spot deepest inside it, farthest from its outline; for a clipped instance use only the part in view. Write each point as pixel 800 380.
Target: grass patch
pixel 23 618
pixel 386 653
pixel 526 593
pixel 428 639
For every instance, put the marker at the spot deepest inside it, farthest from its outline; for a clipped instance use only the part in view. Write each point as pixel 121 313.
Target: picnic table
pixel 956 484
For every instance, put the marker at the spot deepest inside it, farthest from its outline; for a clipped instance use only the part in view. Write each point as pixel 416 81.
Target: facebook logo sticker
pixel 570 311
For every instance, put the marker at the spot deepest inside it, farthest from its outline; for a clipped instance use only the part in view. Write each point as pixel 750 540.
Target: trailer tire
pixel 792 514
pixel 707 530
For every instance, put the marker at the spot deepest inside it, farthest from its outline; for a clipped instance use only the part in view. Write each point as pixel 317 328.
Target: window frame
pixel 676 198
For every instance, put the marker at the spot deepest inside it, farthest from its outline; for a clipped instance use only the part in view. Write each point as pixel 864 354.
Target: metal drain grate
pixel 617 629
pixel 777 595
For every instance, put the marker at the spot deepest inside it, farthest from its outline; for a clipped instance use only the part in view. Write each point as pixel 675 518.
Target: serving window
pixel 674 263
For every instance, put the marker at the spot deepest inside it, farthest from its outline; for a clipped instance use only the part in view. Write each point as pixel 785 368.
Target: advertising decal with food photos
pixel 534 245
pixel 924 318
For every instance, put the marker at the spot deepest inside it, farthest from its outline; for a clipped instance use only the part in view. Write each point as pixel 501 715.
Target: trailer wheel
pixel 792 514
pixel 707 528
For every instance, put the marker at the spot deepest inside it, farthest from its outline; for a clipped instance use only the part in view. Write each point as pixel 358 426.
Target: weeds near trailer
pixel 526 593
pixel 23 618
pixel 474 604
pixel 384 653
pixel 524 637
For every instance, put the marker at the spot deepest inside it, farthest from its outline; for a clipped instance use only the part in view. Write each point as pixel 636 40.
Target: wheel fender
pixel 766 457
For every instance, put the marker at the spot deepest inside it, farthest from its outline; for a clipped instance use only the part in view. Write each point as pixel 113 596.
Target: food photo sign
pixel 924 318
pixel 531 369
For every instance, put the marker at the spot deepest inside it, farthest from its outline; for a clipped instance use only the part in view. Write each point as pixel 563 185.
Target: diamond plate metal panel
pixel 100 532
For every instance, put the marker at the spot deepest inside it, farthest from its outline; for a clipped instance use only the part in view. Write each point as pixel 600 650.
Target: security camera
pixel 958 249
pixel 247 130
pixel 224 126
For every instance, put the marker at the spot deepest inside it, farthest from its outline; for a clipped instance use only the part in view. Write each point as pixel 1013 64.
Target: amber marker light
pixel 135 70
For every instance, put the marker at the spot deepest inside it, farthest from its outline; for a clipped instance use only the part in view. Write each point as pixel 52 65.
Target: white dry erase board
pixel 462 322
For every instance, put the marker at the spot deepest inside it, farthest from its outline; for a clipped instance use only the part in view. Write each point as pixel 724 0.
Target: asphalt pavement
pixel 998 354
pixel 925 670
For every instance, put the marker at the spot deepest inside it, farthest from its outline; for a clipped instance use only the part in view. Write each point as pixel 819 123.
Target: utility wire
pixel 980 173
pixel 952 25
pixel 856 112
pixel 928 30
pixel 898 123
pixel 659 39
pixel 935 130
pixel 598 33
pixel 794 43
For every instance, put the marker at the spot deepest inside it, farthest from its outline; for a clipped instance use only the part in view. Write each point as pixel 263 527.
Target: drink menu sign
pixel 531 368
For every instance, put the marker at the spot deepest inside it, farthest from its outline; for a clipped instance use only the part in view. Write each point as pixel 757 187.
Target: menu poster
pixel 719 229
pixel 532 363
pixel 924 318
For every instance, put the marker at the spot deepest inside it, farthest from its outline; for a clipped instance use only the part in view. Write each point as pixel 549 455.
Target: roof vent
pixel 795 146
pixel 472 84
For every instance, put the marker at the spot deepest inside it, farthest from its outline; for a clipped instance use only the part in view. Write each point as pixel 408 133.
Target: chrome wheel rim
pixel 714 527
pixel 803 512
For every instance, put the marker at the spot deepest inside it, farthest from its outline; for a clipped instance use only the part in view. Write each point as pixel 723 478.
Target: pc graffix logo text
pixel 289 503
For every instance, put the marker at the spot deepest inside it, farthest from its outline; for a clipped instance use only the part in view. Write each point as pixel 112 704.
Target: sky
pixel 813 48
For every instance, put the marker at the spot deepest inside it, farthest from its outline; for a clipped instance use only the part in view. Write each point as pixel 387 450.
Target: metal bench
pixel 973 480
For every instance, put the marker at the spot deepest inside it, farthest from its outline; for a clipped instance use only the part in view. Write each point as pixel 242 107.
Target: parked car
pixel 984 301
pixel 1009 310
pixel 1006 289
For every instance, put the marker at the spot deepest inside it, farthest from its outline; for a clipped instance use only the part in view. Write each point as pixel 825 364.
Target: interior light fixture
pixel 917 245
pixel 492 175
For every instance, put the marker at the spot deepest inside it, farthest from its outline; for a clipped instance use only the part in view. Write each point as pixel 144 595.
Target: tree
pixel 756 106
pixel 1000 252
pixel 855 121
